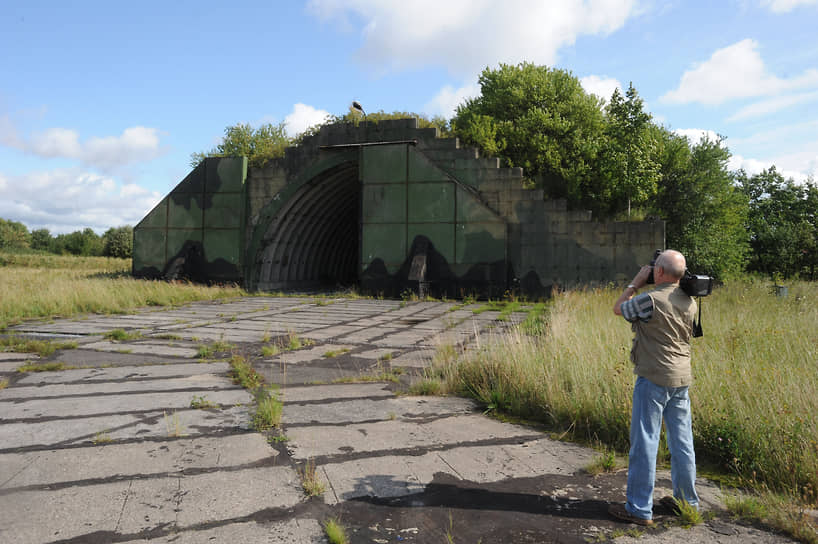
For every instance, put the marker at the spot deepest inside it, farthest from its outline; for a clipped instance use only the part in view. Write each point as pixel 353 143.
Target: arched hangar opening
pixel 312 241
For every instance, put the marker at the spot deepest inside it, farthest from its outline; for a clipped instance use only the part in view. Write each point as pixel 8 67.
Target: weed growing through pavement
pixel 270 350
pixel 243 373
pixel 278 439
pixel 336 533
pixel 45 367
pixel 121 335
pixel 102 437
pixel 335 353
pixel 604 462
pixel 4 384
pixel 43 348
pixel 174 425
pixel 312 484
pixel 202 403
pixel 268 409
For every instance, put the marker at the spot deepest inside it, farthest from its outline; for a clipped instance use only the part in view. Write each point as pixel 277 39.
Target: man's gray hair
pixel 672 262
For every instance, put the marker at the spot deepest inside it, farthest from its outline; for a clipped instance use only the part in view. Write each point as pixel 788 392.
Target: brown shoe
pixel 619 511
pixel 671 505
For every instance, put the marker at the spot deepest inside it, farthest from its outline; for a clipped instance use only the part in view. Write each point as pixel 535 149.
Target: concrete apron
pixel 116 453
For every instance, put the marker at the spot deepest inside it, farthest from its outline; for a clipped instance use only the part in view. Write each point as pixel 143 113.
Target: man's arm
pixel 639 281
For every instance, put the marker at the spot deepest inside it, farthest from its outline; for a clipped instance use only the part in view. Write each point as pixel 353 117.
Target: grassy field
pixel 755 391
pixel 45 286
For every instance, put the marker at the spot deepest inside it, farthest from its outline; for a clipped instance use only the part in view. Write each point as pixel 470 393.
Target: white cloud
pixel 755 166
pixel 785 6
pixel 736 71
pixel 106 153
pixel 66 200
pixel 447 99
pixel 465 36
pixel 694 135
pixel 772 105
pixel 303 117
pixel 603 87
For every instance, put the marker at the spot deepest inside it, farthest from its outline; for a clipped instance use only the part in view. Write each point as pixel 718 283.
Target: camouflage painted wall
pixel 196 231
pixel 386 206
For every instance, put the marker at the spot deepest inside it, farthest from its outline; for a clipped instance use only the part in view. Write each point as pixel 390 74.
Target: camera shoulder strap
pixel 697 323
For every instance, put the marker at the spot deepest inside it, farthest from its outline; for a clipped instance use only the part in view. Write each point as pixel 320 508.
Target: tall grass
pixel 43 286
pixel 755 391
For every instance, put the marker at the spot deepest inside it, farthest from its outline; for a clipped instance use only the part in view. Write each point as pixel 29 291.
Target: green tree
pixel 356 117
pixel 782 223
pixel 13 235
pixel 41 239
pixel 628 162
pixel 704 212
pixel 259 145
pixel 85 242
pixel 118 242
pixel 542 120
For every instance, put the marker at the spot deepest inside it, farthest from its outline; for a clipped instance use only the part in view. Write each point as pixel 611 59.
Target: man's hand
pixel 641 278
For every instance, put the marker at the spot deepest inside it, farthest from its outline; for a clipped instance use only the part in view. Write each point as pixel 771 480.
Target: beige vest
pixel 661 346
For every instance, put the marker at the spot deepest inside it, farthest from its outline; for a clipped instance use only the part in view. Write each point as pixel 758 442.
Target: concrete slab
pixel 117 427
pixel 148 348
pixel 291 395
pixel 115 403
pixel 6 356
pixel 420 358
pixel 315 353
pixel 12 366
pixel 199 384
pixel 381 409
pixel 293 531
pixel 124 373
pixel 107 461
pixel 375 354
pixel 314 441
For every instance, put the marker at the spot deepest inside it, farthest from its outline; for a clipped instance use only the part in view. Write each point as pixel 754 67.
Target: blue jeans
pixel 652 403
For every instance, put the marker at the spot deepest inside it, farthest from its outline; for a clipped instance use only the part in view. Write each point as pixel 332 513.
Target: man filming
pixel 662 320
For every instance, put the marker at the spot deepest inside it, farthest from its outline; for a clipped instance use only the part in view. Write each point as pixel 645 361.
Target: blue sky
pixel 102 103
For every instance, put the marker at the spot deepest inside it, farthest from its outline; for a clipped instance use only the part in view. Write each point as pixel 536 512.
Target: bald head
pixel 672 262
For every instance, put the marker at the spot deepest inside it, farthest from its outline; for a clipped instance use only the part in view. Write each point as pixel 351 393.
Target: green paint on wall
pixel 383 203
pixel 431 202
pixel 421 169
pixel 225 211
pixel 181 217
pixel 149 248
pixel 178 237
pixel 222 244
pixel 384 164
pixel 383 241
pixel 480 242
pixel 470 209
pixel 440 234
pixel 157 218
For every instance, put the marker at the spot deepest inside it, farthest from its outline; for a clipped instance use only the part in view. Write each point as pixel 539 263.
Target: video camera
pixel 695 285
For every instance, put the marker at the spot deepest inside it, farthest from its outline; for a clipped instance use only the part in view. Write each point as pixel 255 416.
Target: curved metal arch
pixel 314 234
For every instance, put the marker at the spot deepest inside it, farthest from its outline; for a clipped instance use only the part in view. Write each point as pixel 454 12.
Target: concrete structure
pixel 387 206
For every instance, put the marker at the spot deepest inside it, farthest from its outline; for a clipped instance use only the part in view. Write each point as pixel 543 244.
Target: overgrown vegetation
pixel 121 335
pixel 43 348
pixel 269 409
pixel 754 396
pixel 46 286
pixel 44 367
pixel 336 533
pixel 310 481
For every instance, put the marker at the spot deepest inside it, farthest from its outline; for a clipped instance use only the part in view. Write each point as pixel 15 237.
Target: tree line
pixel 115 242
